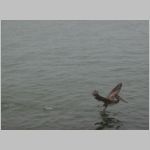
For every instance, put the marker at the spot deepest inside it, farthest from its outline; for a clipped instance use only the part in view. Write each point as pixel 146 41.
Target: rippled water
pixel 50 68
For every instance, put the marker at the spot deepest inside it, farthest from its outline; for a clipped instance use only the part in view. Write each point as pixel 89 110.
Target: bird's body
pixel 112 98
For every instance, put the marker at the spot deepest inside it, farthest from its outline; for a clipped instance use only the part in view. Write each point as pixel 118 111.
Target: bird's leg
pixel 105 106
pixel 104 109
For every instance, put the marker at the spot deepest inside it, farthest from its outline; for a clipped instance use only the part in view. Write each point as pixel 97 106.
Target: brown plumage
pixel 112 98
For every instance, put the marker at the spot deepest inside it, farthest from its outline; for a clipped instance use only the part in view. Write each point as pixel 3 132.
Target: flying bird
pixel 112 98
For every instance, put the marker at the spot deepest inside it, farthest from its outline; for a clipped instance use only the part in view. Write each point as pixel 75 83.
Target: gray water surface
pixel 50 68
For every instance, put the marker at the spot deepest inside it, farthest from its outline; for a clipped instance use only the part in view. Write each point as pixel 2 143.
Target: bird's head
pixel 95 93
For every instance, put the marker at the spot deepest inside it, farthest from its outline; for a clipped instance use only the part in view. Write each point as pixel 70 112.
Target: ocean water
pixel 50 68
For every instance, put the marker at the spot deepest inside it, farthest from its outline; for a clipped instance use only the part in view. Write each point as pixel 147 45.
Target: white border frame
pixel 74 10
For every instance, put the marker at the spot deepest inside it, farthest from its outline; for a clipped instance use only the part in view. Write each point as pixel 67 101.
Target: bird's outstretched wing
pixel 114 92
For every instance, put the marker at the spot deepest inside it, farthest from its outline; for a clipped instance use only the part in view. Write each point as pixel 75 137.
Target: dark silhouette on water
pixel 112 98
pixel 108 122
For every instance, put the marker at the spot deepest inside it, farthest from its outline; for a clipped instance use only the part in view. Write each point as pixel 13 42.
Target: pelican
pixel 112 98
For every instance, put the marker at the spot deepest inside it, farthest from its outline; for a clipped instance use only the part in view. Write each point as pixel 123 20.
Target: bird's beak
pixel 123 100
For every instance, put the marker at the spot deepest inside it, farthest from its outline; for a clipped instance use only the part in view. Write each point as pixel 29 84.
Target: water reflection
pixel 108 122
